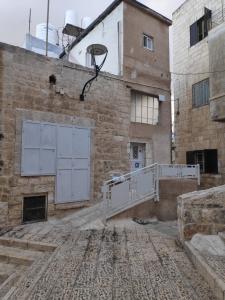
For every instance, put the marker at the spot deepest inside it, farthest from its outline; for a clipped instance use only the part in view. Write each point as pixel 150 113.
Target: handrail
pixel 128 190
pixel 131 173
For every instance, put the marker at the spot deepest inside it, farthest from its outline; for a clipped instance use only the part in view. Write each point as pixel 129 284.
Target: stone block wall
pixel 25 94
pixel 194 128
pixel 201 212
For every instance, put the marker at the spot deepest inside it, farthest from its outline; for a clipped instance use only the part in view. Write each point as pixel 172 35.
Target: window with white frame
pixel 148 42
pixel 144 108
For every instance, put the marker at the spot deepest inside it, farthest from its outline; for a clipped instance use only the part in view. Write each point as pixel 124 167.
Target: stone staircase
pixel 16 256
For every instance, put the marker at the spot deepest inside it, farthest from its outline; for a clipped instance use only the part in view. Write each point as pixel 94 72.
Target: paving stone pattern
pixel 117 262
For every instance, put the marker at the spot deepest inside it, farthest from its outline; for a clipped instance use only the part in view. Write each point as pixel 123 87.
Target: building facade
pixel 56 151
pixel 198 67
pixel 137 39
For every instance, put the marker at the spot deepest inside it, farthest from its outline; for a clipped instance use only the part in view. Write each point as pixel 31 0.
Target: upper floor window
pixel 199 30
pixel 148 42
pixel 144 109
pixel 200 93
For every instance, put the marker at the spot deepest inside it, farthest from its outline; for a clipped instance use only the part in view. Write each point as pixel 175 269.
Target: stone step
pixel 26 244
pixel 7 269
pixel 210 267
pixel 8 286
pixel 18 256
pixel 222 235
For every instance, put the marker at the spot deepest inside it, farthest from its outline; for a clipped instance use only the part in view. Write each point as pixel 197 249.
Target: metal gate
pixel 73 164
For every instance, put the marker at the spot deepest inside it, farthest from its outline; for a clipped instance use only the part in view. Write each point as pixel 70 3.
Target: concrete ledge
pixel 77 205
pixel 201 212
pixel 216 283
pixel 25 244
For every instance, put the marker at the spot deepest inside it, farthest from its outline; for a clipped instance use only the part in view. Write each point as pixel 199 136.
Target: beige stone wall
pixel 26 94
pixel 201 212
pixel 194 129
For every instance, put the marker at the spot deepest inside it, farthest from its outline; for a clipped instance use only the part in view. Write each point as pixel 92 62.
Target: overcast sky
pixel 14 14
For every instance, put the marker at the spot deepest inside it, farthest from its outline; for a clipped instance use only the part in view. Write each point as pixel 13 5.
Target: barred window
pixel 206 159
pixel 144 109
pixel 200 93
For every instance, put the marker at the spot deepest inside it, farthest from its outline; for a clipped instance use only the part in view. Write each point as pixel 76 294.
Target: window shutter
pixel 190 157
pixel 48 149
pixel 207 20
pixel 31 142
pixel 211 161
pixel 193 34
pixel 38 149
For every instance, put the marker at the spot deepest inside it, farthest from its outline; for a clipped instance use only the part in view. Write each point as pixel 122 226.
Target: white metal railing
pixel 179 171
pixel 126 191
pixel 130 189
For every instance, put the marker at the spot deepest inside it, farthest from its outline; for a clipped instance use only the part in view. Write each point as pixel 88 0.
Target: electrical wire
pixel 193 74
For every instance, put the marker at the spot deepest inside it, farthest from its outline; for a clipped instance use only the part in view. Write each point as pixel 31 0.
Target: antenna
pixel 47 25
pixel 29 21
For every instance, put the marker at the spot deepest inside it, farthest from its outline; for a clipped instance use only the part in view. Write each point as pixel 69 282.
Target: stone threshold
pixel 215 282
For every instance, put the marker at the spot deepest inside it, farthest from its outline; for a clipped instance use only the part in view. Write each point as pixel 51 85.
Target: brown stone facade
pixel 25 94
pixel 148 72
pixel 201 212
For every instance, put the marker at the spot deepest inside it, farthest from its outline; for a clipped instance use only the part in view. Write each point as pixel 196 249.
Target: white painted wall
pixel 105 33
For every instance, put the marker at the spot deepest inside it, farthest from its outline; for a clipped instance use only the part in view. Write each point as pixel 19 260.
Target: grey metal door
pixel 73 164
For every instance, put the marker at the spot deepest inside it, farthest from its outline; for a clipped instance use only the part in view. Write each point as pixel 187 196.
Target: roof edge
pixel 149 11
pixel 107 11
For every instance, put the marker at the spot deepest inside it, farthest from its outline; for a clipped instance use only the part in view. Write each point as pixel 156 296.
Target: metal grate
pixel 34 209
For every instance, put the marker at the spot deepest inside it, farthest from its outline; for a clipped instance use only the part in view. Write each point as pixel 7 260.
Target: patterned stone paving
pixel 127 261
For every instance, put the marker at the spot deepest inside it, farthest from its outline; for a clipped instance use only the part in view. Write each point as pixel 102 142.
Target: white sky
pixel 14 14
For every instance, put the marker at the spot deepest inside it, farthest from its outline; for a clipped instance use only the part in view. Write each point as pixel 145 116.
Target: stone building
pixel 56 151
pixel 137 39
pixel 198 66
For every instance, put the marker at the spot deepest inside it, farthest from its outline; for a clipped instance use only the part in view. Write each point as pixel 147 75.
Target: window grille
pixel 144 109
pixel 200 93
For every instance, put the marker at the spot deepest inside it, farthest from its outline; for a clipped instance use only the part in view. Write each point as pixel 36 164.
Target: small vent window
pixel 34 209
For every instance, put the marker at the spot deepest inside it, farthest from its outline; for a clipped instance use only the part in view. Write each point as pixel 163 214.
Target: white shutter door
pixel 31 142
pixel 81 164
pixel 64 164
pixel 48 149
pixel 73 164
pixel 38 149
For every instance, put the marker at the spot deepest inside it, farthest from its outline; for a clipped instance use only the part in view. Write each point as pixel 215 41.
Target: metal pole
pixel 47 23
pixel 29 21
pixel 222 2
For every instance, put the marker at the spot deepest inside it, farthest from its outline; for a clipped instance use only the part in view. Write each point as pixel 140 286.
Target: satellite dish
pixel 97 49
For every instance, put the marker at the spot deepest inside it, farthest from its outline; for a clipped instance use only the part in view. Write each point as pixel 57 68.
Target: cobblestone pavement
pixel 121 261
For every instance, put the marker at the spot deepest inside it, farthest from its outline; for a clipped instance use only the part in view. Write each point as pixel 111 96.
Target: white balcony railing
pixel 179 171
